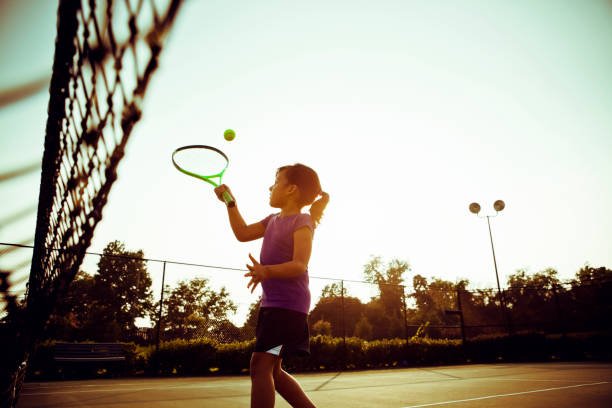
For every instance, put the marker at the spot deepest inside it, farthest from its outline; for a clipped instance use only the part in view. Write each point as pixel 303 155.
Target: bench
pixel 85 360
pixel 88 352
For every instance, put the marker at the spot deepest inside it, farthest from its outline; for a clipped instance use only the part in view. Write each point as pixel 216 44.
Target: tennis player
pixel 282 325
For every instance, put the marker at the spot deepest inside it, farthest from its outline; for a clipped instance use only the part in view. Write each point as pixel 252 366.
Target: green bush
pixel 332 353
pixel 234 358
pixel 207 357
pixel 540 347
pixel 325 354
pixel 183 357
pixel 355 353
pixel 597 346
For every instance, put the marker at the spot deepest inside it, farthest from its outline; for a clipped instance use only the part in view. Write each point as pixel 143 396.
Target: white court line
pixel 167 387
pixel 37 386
pixel 505 395
pixel 56 385
pixel 519 379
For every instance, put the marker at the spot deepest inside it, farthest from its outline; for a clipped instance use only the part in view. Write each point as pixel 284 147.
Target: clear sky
pixel 408 110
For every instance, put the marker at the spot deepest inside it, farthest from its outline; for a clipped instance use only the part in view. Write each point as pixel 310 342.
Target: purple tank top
pixel 287 293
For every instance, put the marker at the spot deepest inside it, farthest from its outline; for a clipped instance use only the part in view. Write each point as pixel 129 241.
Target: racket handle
pixel 229 200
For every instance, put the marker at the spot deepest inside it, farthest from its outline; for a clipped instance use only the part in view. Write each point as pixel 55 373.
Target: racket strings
pixel 201 162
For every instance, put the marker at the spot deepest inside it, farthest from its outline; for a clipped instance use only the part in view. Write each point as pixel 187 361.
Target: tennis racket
pixel 203 162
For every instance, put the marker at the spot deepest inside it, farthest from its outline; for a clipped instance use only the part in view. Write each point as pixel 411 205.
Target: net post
pixel 405 312
pixel 559 313
pixel 159 314
pixel 506 312
pixel 460 308
pixel 343 325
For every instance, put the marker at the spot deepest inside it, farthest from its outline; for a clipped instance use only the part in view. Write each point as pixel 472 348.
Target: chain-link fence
pixel 125 297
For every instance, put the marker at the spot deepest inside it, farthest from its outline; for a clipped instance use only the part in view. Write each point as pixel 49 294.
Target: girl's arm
pixel 241 230
pixel 302 247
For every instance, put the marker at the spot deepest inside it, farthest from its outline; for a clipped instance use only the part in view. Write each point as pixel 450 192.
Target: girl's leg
pixel 289 388
pixel 262 380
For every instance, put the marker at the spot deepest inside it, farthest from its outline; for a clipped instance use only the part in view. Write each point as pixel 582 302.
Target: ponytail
pixel 317 208
pixel 307 182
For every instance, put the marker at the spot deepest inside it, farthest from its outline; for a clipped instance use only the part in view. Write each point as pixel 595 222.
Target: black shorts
pixel 282 327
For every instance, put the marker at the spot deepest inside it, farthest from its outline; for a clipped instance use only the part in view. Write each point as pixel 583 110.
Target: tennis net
pixel 105 55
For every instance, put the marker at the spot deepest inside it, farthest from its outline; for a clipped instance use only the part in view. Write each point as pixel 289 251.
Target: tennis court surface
pixel 499 385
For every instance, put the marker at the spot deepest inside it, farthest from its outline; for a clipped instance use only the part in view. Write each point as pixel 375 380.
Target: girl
pixel 282 270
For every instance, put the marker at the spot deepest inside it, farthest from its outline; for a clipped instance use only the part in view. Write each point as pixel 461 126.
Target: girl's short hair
pixel 309 186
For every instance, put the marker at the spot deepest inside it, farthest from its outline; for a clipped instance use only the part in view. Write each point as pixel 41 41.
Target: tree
pixel 481 308
pixel 386 312
pixel 322 327
pixel 334 290
pixel 71 319
pixel 194 310
pixel 389 279
pixel 530 299
pixel 342 312
pixel 225 331
pixel 589 301
pixel 363 329
pixel 589 275
pixel 121 292
pixel 253 314
pixel 250 325
pixel 432 301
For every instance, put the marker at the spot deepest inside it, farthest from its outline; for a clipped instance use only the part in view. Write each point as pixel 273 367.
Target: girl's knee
pixel 277 371
pixel 262 364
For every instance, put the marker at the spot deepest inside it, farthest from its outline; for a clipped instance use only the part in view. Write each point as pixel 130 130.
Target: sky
pixel 408 110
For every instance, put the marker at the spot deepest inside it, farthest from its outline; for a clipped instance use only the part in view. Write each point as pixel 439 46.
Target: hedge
pixel 207 357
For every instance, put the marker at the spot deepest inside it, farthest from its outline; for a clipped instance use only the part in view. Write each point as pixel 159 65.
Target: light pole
pixel 498 205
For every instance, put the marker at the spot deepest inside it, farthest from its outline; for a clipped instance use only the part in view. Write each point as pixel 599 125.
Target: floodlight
pixel 499 205
pixel 475 208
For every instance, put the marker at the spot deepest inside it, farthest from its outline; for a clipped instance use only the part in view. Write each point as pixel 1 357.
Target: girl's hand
pixel 219 191
pixel 257 272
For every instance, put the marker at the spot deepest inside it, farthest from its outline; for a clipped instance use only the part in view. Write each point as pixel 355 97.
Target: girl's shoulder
pixel 269 218
pixel 294 221
pixel 303 220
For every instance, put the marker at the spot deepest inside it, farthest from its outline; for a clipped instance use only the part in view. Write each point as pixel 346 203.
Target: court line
pixel 39 386
pixel 522 379
pixel 327 381
pixel 505 395
pixel 139 388
pixel 427 370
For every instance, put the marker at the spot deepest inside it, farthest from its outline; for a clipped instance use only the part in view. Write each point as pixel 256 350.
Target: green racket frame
pixel 229 200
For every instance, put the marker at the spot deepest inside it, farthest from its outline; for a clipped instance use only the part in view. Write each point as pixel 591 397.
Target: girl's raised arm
pixel 242 231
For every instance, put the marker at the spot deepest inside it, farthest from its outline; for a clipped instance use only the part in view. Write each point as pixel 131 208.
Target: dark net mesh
pixel 105 55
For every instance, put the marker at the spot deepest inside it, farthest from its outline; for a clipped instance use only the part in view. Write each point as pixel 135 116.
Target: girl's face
pixel 280 190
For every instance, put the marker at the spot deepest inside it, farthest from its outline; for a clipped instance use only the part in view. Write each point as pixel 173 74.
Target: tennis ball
pixel 229 135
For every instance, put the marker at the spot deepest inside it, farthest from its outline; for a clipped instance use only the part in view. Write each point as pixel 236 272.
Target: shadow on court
pixel 498 385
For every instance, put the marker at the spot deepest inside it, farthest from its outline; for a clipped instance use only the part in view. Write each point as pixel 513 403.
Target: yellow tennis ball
pixel 229 135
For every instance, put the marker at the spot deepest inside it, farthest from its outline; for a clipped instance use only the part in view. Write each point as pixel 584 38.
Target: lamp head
pixel 475 208
pixel 499 205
